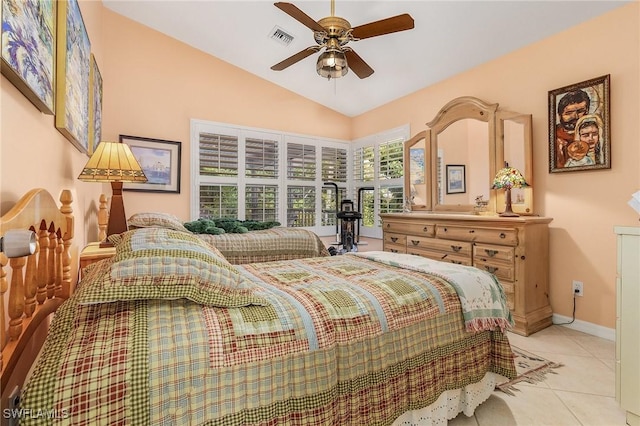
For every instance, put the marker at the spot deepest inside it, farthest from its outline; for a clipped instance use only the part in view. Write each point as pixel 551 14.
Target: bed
pixel 279 243
pixel 32 288
pixel 169 332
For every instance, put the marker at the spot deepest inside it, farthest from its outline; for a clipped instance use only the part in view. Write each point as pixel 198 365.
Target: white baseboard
pixel 586 327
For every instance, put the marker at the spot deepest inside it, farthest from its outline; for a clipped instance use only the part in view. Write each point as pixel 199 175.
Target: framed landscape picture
pixel 160 161
pixel 29 49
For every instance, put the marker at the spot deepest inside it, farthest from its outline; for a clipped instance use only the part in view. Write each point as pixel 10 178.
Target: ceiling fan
pixel 332 34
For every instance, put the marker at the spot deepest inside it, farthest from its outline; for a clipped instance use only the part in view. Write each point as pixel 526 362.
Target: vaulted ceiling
pixel 449 37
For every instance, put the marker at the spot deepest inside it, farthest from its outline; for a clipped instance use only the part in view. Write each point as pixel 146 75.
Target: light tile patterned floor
pixel 582 393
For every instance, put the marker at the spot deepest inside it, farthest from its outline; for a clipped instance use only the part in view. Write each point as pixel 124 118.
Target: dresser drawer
pixel 502 270
pixel 390 237
pixel 395 248
pixel 438 255
pixel 507 237
pixel 418 229
pixel 488 252
pixel 440 245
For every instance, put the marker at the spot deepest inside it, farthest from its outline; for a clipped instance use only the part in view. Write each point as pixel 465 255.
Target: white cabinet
pixel 628 323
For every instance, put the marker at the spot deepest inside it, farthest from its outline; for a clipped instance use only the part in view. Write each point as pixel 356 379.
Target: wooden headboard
pixel 39 283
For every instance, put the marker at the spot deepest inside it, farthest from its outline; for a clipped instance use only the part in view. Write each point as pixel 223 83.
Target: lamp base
pixel 105 244
pixel 508 214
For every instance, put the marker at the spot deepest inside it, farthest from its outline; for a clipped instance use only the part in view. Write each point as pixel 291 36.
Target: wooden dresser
pixel 515 250
pixel 628 322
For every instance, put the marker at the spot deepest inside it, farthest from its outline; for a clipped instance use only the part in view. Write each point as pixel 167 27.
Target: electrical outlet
pixel 577 288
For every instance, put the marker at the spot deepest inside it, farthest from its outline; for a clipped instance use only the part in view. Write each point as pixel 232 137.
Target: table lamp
pixel 113 162
pixel 508 178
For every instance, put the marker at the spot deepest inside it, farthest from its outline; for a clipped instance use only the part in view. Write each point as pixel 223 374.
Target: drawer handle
pixel 457 262
pixel 394 239
pixel 388 225
pixel 456 248
pixel 491 253
pixel 393 250
pixel 415 242
pixel 491 269
pixel 425 229
pixel 503 235
pixel 471 231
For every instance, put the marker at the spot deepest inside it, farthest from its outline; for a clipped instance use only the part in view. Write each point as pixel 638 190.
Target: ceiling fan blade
pixel 384 26
pixel 299 15
pixel 295 58
pixel 357 64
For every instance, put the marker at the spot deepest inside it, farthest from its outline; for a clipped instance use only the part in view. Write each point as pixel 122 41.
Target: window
pixel 217 201
pixel 261 158
pixel 301 161
pixel 261 203
pixel 378 177
pixel 218 155
pixel 254 174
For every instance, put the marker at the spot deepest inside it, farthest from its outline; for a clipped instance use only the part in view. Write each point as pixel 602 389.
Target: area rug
pixel 531 368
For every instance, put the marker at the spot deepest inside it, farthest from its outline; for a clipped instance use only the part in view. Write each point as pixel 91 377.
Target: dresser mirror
pixel 514 147
pixel 450 166
pixel 417 154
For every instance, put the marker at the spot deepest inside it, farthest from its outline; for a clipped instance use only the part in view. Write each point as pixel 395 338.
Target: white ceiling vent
pixel 281 36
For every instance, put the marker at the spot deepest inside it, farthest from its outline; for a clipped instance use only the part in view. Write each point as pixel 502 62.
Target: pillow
pixel 156 220
pixel 158 263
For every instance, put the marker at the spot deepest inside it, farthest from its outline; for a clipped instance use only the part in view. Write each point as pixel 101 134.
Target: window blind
pixel 301 206
pixel 218 201
pixel 218 155
pixel 261 158
pixel 301 161
pixel 261 202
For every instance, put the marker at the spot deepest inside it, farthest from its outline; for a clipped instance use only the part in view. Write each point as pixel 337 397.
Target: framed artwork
pixel 456 183
pixel 72 73
pixel 579 135
pixel 95 105
pixel 416 156
pixel 160 161
pixel 29 49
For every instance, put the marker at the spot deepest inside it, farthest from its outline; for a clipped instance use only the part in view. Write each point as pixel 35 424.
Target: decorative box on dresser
pixel 628 322
pixel 514 249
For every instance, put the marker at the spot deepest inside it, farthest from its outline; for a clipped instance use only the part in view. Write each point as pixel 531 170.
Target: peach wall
pixel 156 84
pixel 585 206
pixel 153 86
pixel 33 154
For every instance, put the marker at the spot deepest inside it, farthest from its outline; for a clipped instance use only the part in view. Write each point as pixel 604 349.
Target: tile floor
pixel 581 393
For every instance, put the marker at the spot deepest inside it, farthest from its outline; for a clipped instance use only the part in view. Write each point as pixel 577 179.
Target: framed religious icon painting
pixel 579 130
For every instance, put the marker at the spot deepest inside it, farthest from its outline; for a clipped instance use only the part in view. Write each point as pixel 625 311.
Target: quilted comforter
pixel 343 340
pixel 267 245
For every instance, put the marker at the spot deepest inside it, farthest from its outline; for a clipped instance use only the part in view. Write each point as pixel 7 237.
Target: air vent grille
pixel 281 36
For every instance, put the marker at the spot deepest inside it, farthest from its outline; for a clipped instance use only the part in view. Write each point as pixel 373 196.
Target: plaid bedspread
pixel 345 340
pixel 267 245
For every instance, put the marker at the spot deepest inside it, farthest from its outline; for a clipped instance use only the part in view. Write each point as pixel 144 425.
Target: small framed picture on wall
pixel 456 183
pixel 160 161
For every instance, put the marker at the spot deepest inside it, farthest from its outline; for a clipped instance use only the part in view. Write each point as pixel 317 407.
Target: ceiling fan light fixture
pixel 332 63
